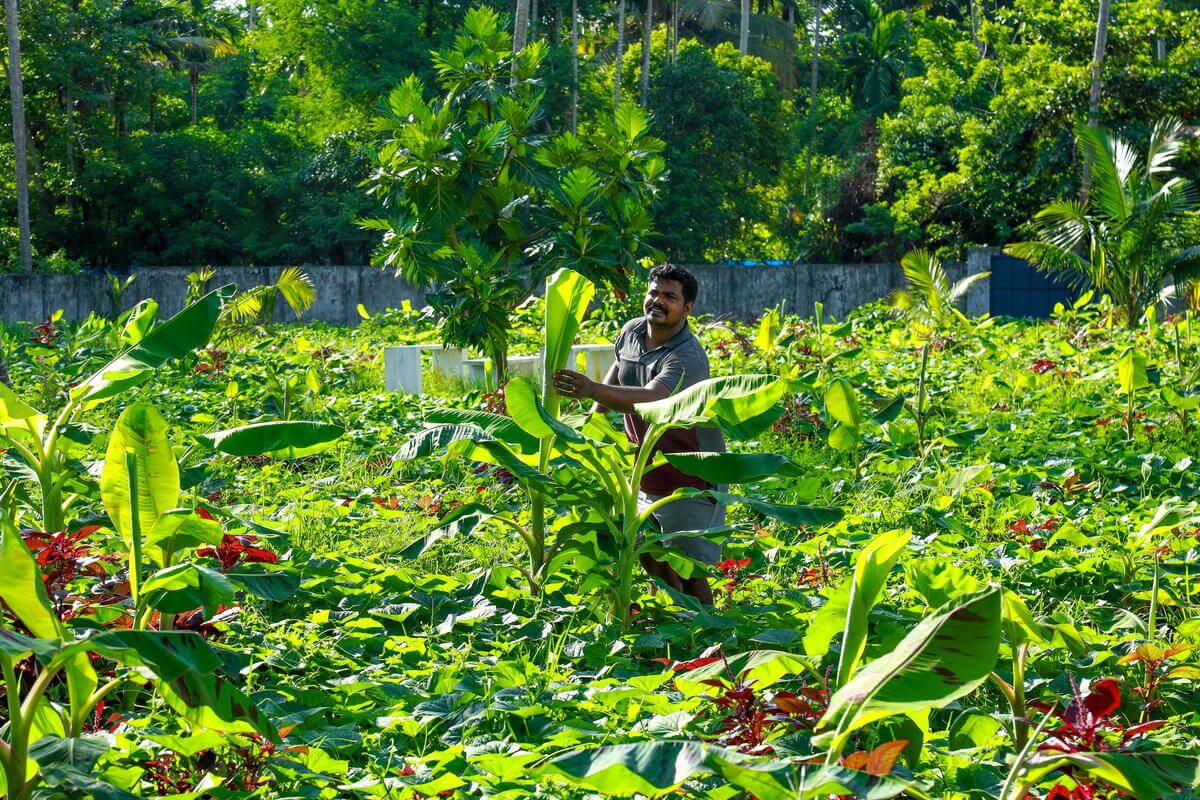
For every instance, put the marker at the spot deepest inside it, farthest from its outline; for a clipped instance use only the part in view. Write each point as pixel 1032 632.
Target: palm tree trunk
pixel 647 29
pixel 813 85
pixel 1160 44
pixel 574 66
pixel 1095 92
pixel 674 30
pixel 521 26
pixel 534 15
pixel 744 29
pixel 20 134
pixel 620 54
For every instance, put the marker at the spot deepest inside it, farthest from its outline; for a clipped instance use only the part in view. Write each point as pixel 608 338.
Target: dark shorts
pixel 689 514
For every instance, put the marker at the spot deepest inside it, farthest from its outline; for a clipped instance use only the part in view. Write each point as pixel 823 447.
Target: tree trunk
pixel 1095 93
pixel 674 30
pixel 534 15
pixel 789 45
pixel 974 10
pixel 194 80
pixel 647 29
pixel 7 381
pixel 620 54
pixel 20 134
pixel 1160 44
pixel 574 66
pixel 814 80
pixel 521 26
pixel 744 29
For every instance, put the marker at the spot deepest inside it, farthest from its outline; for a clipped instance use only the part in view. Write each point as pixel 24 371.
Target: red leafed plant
pixel 1024 534
pixel 236 549
pixel 1041 366
pixel 1087 723
pixel 62 557
pixel 731 569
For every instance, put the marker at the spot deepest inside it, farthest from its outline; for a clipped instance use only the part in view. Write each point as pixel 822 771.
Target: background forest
pixel 193 132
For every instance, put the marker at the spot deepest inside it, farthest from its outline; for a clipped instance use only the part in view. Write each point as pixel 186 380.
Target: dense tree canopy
pixel 162 131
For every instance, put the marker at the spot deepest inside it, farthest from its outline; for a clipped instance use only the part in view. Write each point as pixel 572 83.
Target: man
pixel 657 355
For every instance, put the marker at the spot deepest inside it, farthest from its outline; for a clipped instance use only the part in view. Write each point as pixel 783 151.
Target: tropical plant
pixel 256 306
pixel 1127 235
pixel 45 741
pixel 484 205
pixel 930 300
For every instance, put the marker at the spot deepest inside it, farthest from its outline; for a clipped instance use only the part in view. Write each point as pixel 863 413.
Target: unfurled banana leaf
pixel 733 400
pixel 178 336
pixel 280 439
pixel 142 432
pixel 184 669
pixel 734 467
pixel 946 656
pixel 568 295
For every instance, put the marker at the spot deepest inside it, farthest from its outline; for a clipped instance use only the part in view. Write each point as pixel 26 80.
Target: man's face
pixel 664 304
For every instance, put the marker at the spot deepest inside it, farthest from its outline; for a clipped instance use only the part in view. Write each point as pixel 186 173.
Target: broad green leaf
pixel 732 399
pixel 757 668
pixel 1177 401
pixel 568 295
pixel 521 399
pixel 275 586
pixel 281 439
pixel 871 570
pixel 657 768
pixel 844 437
pixel 181 334
pixel 1131 370
pixel 432 440
pixel 796 515
pixel 841 403
pixel 16 414
pixel 187 586
pixel 21 586
pixel 80 753
pixel 497 426
pixel 1169 515
pixel 1020 626
pixel 946 656
pixel 1145 776
pixel 180 529
pixel 733 467
pixel 184 668
pixel 142 431
pixel 651 769
pixel 459 522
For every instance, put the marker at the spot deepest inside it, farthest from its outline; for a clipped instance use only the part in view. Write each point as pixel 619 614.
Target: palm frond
pixel 1165 142
pixel 961 287
pixel 296 289
pixel 1112 159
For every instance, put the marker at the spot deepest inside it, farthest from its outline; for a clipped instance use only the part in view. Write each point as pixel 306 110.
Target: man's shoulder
pixel 635 327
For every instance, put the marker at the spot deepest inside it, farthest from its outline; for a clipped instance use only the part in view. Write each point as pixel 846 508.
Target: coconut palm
pixel 1126 235
pixel 20 134
pixel 930 300
pixel 257 306
pixel 874 55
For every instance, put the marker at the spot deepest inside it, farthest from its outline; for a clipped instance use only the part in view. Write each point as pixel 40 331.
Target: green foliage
pixel 483 205
pixel 1125 237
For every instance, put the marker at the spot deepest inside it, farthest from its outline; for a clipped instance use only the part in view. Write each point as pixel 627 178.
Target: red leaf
pixel 1104 699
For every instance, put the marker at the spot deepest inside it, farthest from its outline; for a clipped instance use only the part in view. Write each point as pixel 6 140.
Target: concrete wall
pixel 339 290
pixel 724 291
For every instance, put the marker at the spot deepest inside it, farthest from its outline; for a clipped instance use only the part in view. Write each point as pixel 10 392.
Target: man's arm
pixel 570 383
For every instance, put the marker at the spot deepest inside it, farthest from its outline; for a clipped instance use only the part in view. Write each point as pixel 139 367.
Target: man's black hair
pixel 674 272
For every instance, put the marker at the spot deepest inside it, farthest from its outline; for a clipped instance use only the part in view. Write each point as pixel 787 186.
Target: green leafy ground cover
pixel 1004 605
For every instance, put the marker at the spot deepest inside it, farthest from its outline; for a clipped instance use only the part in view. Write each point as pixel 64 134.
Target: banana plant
pixel 43 446
pixel 45 739
pixel 1131 376
pixel 595 473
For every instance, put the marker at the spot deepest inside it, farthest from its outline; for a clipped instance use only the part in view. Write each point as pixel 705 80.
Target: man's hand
pixel 569 383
